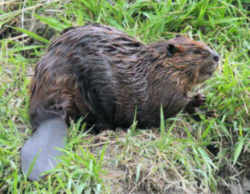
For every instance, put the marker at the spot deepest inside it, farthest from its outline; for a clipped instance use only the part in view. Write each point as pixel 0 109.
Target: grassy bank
pixel 182 155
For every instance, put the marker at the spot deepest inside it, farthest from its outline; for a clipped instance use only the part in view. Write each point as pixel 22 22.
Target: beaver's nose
pixel 216 57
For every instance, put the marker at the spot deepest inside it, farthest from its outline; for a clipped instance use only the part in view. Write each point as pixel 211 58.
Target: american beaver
pixel 106 76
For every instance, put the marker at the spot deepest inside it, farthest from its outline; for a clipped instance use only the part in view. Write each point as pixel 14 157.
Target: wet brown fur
pixel 104 75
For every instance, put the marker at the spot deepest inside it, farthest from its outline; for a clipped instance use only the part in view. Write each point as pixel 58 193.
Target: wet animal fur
pixel 104 75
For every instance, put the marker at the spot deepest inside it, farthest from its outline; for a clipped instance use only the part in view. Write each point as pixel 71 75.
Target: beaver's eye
pixel 197 51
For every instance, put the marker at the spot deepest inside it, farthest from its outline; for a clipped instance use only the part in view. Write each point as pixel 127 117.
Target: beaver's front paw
pixel 198 100
pixel 192 107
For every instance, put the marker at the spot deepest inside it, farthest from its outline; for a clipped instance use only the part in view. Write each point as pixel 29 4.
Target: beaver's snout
pixel 216 58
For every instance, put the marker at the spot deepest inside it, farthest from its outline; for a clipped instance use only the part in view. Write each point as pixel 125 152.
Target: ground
pixel 182 155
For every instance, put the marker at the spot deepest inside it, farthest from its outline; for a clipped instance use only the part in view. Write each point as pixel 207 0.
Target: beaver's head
pixel 193 59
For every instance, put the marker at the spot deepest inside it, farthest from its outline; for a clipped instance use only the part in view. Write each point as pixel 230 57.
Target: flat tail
pixel 39 153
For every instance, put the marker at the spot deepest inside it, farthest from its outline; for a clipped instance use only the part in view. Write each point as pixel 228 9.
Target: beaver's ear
pixel 172 49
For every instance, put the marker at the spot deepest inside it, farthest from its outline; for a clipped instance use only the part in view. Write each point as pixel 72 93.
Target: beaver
pixel 107 77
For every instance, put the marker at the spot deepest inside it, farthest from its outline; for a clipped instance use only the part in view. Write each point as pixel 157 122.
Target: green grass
pixel 176 155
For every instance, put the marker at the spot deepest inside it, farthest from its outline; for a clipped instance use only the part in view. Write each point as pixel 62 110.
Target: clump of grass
pixel 182 155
